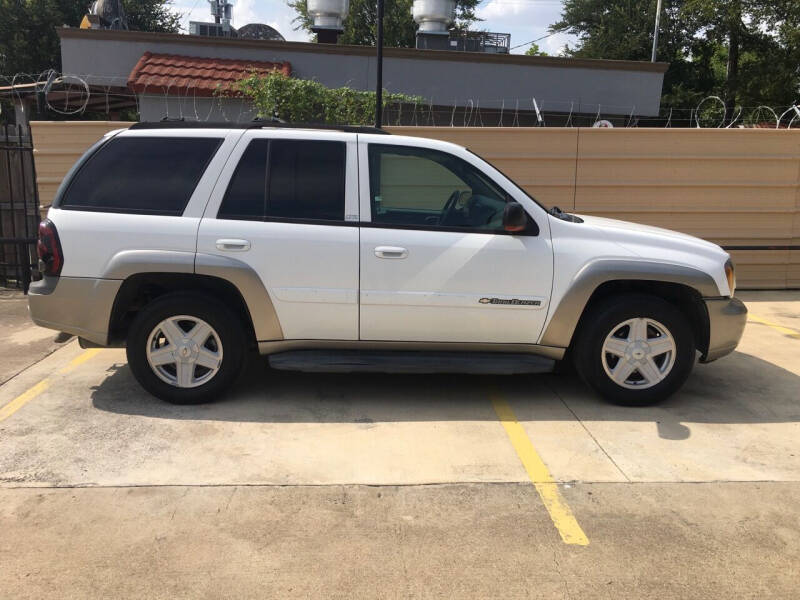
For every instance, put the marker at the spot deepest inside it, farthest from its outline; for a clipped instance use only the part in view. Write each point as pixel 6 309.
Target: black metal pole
pixel 379 85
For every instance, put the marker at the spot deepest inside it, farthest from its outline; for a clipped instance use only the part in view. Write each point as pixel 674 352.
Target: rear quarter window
pixel 141 175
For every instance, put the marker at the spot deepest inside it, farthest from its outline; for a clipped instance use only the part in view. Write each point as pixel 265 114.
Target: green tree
pixel 28 39
pixel 152 15
pixel 757 42
pixel 745 51
pixel 399 28
pixel 722 23
pixel 783 20
pixel 534 50
pixel 623 30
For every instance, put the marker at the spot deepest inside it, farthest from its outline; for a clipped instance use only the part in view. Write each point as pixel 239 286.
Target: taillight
pixel 48 248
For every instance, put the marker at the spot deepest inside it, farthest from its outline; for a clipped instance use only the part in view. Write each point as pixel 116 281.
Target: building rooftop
pixel 180 69
pixel 341 49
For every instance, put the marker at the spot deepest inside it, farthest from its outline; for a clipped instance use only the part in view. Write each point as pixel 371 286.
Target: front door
pixel 436 263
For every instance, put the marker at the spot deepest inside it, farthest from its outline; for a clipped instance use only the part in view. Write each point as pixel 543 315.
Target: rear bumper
pixel 77 305
pixel 726 321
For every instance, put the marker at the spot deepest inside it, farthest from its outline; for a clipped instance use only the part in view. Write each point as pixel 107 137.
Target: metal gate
pixel 19 207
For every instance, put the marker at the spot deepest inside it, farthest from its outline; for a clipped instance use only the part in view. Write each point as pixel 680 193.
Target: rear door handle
pixel 228 245
pixel 390 252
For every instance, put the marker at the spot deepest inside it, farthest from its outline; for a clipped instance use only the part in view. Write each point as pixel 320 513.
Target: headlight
pixel 730 273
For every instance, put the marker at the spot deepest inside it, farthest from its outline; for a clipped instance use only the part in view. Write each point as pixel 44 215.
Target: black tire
pixel 602 321
pixel 228 327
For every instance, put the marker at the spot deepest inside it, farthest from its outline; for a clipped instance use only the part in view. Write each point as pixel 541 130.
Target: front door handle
pixel 228 245
pixel 390 252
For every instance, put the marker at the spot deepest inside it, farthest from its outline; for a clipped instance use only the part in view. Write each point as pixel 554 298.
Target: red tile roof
pixel 181 75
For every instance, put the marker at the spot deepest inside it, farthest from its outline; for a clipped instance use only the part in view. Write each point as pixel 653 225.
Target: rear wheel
pixel 186 348
pixel 635 349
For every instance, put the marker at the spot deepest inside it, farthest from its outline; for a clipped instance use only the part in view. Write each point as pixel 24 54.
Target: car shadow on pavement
pixel 738 389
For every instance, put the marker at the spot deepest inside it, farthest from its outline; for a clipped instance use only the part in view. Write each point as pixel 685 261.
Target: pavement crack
pixel 178 504
pixel 586 429
pixel 30 366
pixel 228 503
pixel 433 484
pixel 561 576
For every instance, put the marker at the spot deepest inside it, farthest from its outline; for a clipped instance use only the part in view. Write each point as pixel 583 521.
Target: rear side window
pixel 301 180
pixel 143 175
pixel 246 196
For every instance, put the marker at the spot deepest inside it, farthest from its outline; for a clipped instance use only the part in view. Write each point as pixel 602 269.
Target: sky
pixel 525 20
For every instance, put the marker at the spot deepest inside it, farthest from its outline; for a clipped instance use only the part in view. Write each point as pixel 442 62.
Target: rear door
pixel 286 204
pixel 436 264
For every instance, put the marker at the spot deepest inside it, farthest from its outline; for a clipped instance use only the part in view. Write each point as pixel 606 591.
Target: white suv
pixel 349 248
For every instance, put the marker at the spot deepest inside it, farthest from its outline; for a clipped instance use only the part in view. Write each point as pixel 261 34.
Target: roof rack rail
pixel 255 124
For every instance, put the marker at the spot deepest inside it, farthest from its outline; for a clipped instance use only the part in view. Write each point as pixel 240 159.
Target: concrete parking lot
pixel 380 486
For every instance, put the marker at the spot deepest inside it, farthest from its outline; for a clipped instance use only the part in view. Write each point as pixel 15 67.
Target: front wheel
pixel 635 349
pixel 186 348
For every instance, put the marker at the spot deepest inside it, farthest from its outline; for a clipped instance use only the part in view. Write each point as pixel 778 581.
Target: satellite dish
pixel 259 31
pixel 603 124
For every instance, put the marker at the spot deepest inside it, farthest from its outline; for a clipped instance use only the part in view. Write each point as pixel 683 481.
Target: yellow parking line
pixel 21 400
pixel 560 513
pixel 31 393
pixel 80 359
pixel 792 333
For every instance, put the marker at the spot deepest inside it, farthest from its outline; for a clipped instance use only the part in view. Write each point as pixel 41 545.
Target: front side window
pixel 428 188
pixel 141 175
pixel 288 179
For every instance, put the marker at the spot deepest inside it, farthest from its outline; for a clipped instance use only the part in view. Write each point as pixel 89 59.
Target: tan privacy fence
pixel 58 144
pixel 738 187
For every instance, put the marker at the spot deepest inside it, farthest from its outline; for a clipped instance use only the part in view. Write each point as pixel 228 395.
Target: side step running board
pixel 356 361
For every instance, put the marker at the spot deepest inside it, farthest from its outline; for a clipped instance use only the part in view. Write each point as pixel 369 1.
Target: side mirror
pixel 515 219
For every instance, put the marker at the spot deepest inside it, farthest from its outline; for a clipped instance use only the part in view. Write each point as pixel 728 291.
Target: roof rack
pixel 255 124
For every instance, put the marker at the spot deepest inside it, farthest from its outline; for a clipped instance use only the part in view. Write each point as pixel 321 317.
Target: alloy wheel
pixel 638 353
pixel 184 351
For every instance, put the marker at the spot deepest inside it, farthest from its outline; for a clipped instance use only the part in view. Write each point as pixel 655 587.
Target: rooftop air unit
pixel 209 29
pixel 328 16
pixel 487 42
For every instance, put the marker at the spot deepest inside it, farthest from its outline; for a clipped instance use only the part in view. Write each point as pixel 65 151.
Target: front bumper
pixel 77 305
pixel 726 321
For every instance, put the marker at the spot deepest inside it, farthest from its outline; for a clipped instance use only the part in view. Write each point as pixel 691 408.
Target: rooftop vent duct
pixel 329 16
pixel 105 14
pixel 433 17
